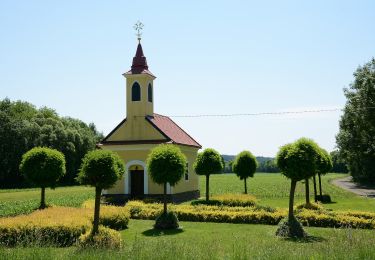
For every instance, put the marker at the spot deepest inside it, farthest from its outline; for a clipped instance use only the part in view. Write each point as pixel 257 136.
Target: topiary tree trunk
pixel 307 193
pixel 43 198
pixel 165 198
pixel 95 228
pixel 320 186
pixel 245 185
pixel 291 199
pixel 315 191
pixel 207 187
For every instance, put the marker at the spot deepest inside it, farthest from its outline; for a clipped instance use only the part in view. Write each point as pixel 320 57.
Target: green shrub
pixel 106 238
pixel 290 227
pixel 310 206
pixel 321 219
pixel 50 227
pixel 231 200
pixel 324 198
pixel 253 215
pixel 56 226
pixel 114 217
pixel 167 220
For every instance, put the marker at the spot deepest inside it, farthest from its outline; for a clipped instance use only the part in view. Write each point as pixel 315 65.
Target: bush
pixel 290 227
pixel 110 216
pixel 231 200
pixel 56 226
pixel 114 217
pixel 310 206
pixel 337 220
pixel 51 227
pixel 167 220
pixel 106 238
pixel 254 215
pixel 324 198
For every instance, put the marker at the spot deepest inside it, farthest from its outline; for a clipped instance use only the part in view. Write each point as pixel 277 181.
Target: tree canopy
pixel 356 140
pixel 166 164
pixel 245 165
pixel 208 162
pixel 101 169
pixel 297 161
pixel 43 167
pixel 23 127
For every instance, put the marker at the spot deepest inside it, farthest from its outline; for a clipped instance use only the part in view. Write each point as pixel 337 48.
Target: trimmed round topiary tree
pixel 245 166
pixel 324 165
pixel 208 162
pixel 43 167
pixel 100 169
pixel 166 164
pixel 296 161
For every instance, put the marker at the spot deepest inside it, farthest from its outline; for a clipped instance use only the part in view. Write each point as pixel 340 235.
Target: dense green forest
pixel 23 126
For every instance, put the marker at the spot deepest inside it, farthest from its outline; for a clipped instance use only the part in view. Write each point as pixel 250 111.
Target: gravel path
pixel 347 184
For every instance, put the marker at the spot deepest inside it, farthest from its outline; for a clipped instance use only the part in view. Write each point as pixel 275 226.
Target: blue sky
pixel 210 57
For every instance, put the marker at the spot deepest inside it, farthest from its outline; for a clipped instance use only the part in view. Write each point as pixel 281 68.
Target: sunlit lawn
pixel 272 189
pixel 217 241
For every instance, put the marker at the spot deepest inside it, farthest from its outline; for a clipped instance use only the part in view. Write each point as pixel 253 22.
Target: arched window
pixel 136 92
pixel 149 92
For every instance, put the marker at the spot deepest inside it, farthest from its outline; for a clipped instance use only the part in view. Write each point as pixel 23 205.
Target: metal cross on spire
pixel 138 27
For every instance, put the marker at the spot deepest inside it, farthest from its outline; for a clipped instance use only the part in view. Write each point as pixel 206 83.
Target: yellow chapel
pixel 141 130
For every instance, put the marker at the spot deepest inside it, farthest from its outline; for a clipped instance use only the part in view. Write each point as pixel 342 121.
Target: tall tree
pixel 356 139
pixel 297 162
pixel 23 127
pixel 245 166
pixel 43 167
pixel 100 169
pixel 166 164
pixel 324 165
pixel 208 162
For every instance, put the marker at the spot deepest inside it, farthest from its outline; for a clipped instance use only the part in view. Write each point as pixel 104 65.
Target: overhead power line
pixel 269 113
pixel 262 113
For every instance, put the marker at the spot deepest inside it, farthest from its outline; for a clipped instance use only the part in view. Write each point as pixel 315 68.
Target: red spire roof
pixel 139 65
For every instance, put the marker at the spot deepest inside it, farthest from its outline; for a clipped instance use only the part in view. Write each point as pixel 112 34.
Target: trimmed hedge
pixel 203 213
pixel 56 226
pixel 231 200
pixel 252 215
pixel 106 238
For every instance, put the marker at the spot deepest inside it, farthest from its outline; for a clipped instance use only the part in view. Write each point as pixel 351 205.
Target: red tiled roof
pixel 171 130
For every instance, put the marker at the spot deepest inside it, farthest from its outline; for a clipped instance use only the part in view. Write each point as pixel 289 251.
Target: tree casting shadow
pixel 160 232
pixel 308 239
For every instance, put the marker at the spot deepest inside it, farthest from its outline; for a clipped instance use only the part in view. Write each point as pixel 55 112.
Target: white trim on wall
pixel 127 176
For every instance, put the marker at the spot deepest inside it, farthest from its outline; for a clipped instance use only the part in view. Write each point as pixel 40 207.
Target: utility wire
pixel 266 113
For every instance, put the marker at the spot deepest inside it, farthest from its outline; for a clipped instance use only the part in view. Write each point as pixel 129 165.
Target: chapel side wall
pixel 193 183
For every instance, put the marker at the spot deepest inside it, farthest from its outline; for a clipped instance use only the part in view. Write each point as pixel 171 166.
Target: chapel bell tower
pixel 139 84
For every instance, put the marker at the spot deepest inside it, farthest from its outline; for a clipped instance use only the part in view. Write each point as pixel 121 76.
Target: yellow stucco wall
pixel 142 107
pixel 136 128
pixel 132 153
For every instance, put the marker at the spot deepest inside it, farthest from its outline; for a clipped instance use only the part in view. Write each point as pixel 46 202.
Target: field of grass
pixel 21 201
pixel 272 189
pixel 217 241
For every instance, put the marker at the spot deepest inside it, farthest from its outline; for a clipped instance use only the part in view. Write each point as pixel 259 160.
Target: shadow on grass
pixel 308 239
pixel 160 232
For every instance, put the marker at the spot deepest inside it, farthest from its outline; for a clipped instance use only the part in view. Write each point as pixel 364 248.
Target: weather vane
pixel 138 27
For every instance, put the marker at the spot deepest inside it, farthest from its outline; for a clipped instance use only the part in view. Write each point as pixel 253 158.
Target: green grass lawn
pixel 217 241
pixel 272 189
pixel 21 201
